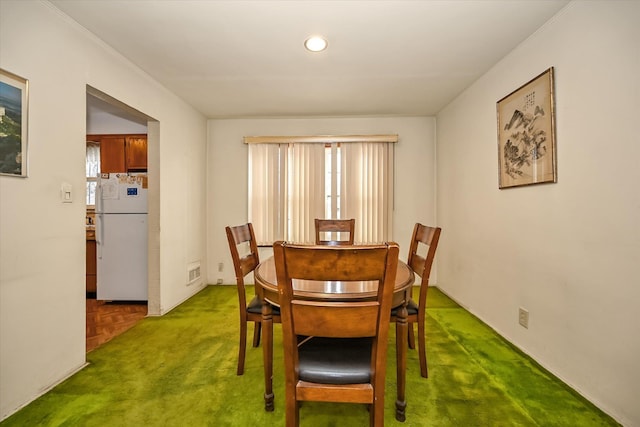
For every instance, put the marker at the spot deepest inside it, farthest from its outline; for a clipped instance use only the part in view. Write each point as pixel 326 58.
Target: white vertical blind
pixel 305 191
pixel 267 182
pixel 367 190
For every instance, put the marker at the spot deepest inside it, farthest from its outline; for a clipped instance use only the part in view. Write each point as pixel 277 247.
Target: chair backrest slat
pixel 341 321
pixel 416 263
pixel 342 226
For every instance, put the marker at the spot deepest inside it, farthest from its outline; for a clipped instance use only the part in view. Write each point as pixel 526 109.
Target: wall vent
pixel 193 273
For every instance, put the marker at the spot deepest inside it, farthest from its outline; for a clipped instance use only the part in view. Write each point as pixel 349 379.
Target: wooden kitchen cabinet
pixel 122 153
pixel 112 154
pixel 91 265
pixel 136 153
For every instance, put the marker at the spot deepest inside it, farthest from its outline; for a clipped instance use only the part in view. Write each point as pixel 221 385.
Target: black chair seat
pixel 412 308
pixel 255 306
pixel 325 363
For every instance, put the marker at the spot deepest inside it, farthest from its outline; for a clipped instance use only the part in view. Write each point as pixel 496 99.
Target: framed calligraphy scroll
pixel 526 134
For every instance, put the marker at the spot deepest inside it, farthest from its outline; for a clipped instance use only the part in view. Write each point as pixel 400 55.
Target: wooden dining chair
pixel 335 351
pixel 342 226
pixel 243 237
pixel 423 241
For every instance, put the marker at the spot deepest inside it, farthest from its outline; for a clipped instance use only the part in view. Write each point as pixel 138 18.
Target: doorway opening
pixel 117 132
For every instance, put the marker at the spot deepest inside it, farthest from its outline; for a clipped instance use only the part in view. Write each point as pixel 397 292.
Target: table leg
pixel 267 354
pixel 401 361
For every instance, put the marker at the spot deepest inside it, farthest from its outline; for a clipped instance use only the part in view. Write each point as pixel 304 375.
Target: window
pixel 93 169
pixel 293 180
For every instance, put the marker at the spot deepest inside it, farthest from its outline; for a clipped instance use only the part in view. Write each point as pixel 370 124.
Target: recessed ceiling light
pixel 315 44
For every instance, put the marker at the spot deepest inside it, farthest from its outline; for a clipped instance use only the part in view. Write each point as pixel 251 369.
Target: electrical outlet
pixel 220 266
pixel 219 282
pixel 523 317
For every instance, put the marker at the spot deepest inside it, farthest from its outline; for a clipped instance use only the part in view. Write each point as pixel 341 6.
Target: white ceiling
pixel 246 58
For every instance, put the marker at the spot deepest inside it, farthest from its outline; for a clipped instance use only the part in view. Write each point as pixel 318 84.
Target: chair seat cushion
pixel 255 306
pixel 335 360
pixel 412 308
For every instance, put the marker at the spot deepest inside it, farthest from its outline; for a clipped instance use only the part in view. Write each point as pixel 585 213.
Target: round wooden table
pixel 267 289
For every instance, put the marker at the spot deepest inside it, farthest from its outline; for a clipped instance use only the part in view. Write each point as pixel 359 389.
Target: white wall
pixel 227 174
pixel 568 252
pixel 42 245
pixel 107 123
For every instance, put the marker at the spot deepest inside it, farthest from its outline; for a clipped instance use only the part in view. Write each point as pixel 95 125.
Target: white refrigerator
pixel 121 237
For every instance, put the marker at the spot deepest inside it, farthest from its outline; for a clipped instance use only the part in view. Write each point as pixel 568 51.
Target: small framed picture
pixel 14 99
pixel 526 134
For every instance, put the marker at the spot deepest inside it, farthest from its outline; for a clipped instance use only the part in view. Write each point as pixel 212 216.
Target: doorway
pixel 107 115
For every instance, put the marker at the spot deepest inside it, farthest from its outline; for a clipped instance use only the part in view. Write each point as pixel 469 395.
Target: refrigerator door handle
pixel 100 219
pixel 99 235
pixel 99 196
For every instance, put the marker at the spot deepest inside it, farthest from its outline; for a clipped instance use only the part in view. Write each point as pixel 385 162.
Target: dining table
pixel 267 289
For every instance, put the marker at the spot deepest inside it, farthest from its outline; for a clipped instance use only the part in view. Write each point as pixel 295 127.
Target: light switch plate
pixel 66 193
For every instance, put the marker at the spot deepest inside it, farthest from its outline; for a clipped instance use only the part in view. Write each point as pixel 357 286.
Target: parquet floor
pixel 106 320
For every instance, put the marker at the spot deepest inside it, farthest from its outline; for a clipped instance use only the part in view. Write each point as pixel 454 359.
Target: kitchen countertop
pixel 91 232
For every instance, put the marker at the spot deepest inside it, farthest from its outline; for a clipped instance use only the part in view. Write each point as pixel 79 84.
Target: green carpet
pixel 180 370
